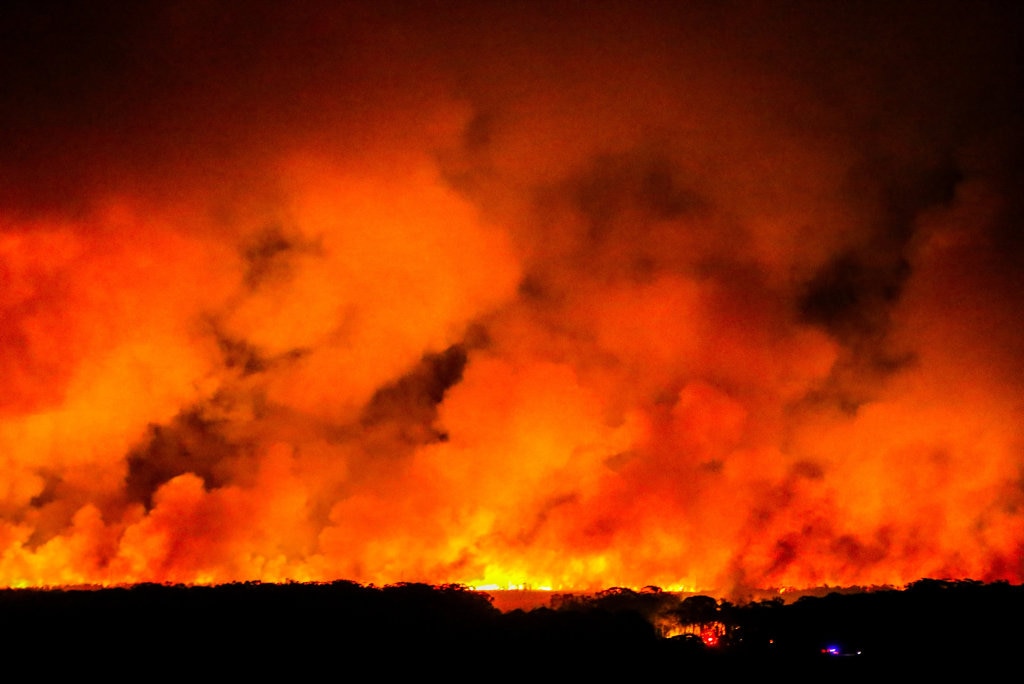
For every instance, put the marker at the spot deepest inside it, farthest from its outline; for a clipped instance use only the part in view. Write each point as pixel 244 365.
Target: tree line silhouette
pixel 254 627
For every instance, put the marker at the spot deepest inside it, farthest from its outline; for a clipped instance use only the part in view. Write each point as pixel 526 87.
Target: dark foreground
pixel 335 630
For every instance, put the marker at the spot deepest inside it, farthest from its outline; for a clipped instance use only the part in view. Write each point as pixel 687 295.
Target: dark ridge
pixel 343 627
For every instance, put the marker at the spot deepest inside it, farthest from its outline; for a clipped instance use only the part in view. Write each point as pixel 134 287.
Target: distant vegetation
pixel 251 626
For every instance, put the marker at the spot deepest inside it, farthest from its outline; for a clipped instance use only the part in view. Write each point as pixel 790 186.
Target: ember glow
pixel 715 297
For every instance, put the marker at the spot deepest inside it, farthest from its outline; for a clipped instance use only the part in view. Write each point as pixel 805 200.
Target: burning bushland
pixel 710 297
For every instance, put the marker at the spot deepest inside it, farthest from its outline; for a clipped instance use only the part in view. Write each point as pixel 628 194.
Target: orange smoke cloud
pixel 708 298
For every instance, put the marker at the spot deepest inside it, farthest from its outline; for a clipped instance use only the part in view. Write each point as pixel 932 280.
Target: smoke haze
pixel 709 296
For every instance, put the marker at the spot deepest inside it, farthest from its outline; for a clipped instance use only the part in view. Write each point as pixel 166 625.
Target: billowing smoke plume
pixel 710 296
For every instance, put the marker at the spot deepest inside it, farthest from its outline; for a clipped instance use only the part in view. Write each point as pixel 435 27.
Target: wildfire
pixel 717 301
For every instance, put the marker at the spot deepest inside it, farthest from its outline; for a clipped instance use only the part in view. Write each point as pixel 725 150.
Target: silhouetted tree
pixel 701 611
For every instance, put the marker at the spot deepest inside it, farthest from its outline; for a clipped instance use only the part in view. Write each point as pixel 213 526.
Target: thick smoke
pixel 711 296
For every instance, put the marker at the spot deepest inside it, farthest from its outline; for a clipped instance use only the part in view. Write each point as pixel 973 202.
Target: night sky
pixel 713 296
